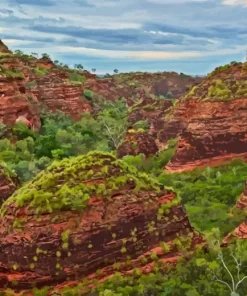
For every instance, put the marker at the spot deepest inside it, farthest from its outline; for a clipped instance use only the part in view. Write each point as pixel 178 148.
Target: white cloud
pixel 144 30
pixel 175 1
pixel 235 2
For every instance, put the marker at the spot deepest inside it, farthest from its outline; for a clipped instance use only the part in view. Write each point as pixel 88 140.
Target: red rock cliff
pixel 86 214
pixel 215 114
pixel 28 84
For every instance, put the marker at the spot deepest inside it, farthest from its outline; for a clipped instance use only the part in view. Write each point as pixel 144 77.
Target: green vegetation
pixel 72 174
pixel 62 137
pixel 40 71
pixel 11 73
pixel 77 78
pixel 192 92
pixel 142 124
pixel 210 194
pixel 67 162
pixel 153 165
pixel 219 90
pixel 203 275
pixel 203 272
pixel 242 89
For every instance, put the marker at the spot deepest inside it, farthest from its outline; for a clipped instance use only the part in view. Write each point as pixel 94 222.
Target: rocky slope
pixel 86 214
pixel 214 115
pixel 28 84
pixel 8 183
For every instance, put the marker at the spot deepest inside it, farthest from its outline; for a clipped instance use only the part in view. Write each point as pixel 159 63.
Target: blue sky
pixel 190 36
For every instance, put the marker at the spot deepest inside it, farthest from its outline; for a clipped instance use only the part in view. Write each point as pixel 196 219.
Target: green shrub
pixel 219 90
pixel 141 124
pixel 40 71
pixel 77 78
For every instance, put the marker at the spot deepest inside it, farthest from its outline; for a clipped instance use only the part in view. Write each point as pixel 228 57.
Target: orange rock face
pixel 214 116
pixel 28 84
pixel 215 132
pixel 67 246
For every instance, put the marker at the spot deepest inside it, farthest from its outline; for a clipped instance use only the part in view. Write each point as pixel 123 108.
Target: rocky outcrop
pixel 151 127
pixel 8 183
pixel 28 84
pixel 214 114
pixel 240 231
pixel 57 92
pixel 4 48
pixel 14 103
pixel 86 214
pixel 137 143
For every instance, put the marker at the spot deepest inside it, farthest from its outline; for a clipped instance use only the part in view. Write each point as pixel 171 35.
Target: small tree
pixel 215 267
pixel 34 54
pixel 45 56
pixel 18 52
pixel 113 120
pixel 93 70
pixel 78 67
pixel 115 71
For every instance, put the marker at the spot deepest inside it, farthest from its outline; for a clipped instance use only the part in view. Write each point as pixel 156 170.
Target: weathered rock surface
pixel 160 127
pixel 136 143
pixel 83 215
pixel 214 114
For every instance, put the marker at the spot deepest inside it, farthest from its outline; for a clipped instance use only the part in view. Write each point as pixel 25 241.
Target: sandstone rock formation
pixel 214 114
pixel 4 48
pixel 86 214
pixel 159 127
pixel 28 84
pixel 136 142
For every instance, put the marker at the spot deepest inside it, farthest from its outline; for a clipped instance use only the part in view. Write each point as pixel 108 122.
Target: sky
pixel 189 36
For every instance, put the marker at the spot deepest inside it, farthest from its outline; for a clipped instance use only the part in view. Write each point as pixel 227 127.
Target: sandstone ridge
pixel 86 214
